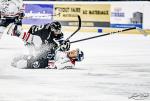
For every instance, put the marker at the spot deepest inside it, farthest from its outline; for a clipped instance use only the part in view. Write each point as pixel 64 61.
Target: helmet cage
pixel 56 31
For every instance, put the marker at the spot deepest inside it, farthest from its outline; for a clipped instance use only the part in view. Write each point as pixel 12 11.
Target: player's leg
pixel 34 63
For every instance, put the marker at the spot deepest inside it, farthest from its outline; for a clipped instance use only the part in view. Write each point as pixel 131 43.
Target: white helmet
pixel 11 8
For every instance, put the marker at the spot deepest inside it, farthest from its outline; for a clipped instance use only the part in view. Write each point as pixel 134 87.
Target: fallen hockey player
pixel 59 60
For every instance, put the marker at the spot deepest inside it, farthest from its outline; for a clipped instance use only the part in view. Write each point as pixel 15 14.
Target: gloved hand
pixel 65 45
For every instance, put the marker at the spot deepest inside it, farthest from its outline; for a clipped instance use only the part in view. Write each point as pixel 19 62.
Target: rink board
pixel 93 30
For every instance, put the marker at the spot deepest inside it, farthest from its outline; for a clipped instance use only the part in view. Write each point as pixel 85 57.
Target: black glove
pixel 65 45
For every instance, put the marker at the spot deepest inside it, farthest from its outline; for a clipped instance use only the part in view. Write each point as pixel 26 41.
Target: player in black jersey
pixel 51 39
pixel 49 34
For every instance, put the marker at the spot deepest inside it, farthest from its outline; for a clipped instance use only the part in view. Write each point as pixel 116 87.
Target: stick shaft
pixel 103 35
pixel 79 26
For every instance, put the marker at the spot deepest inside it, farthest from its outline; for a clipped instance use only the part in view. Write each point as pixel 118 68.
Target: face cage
pixel 56 32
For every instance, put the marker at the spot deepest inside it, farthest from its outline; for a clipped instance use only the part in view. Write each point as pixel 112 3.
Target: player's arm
pixel 34 29
pixel 62 43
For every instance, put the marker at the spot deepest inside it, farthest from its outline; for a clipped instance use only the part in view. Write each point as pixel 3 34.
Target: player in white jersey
pixel 66 59
pixel 59 60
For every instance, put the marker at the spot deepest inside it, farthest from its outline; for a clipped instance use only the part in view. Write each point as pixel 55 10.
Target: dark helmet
pixel 56 25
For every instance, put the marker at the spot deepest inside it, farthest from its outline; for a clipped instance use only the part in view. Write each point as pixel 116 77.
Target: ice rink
pixel 115 68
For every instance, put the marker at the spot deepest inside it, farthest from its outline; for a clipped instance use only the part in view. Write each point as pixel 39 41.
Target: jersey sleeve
pixel 33 29
pixel 43 31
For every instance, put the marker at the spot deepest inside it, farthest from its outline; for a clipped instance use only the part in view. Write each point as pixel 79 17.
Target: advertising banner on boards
pixel 38 13
pixel 92 15
pixel 129 15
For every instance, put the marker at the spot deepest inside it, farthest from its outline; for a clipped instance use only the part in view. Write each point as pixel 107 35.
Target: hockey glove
pixel 65 45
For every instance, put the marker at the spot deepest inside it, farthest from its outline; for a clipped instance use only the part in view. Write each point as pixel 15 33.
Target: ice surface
pixel 115 68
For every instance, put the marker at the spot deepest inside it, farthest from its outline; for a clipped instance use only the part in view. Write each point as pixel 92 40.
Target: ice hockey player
pixel 66 60
pixel 47 34
pixel 61 60
pixel 11 11
pixel 50 34
pixel 51 39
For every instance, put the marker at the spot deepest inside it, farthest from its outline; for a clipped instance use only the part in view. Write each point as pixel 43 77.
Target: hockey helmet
pixel 56 27
pixel 80 55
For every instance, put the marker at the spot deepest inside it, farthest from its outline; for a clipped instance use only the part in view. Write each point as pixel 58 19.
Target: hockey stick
pixel 79 27
pixel 119 31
